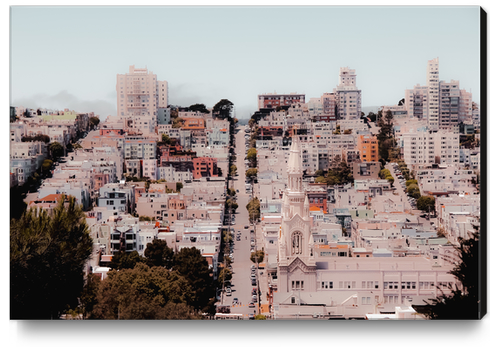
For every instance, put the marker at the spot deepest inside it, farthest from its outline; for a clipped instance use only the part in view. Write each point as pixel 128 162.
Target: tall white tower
pixel 433 99
pixel 347 96
pixel 296 263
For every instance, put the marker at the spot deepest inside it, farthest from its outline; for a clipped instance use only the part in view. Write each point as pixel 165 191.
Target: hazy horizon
pixel 71 57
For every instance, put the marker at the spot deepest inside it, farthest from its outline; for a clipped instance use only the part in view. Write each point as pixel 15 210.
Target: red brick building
pixel 205 167
pixel 272 100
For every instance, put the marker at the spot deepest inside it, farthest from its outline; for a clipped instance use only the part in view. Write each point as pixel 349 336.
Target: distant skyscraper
pixel 442 104
pixel 348 97
pixel 433 95
pixel 140 94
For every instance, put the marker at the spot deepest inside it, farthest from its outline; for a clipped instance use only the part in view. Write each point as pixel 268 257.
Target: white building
pixel 139 93
pixel 348 97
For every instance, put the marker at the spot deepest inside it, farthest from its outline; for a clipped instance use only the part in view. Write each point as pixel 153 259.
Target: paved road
pixel 397 184
pixel 241 283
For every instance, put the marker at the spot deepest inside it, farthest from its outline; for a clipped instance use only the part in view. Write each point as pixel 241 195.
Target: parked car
pixel 251 304
pixel 235 301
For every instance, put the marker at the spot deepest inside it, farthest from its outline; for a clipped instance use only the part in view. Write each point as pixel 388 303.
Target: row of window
pixel 387 285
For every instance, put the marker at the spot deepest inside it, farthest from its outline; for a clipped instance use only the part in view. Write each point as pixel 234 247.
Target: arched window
pixel 297 243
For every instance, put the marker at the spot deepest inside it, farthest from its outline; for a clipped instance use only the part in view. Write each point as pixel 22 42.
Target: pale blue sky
pixel 70 56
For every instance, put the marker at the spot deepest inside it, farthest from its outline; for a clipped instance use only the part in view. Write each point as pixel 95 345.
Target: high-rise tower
pixel 140 94
pixel 433 93
pixel 348 97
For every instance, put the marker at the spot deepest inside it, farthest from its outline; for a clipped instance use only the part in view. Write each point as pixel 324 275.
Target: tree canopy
pixel 463 302
pixel 257 256
pixel 47 258
pixel 426 203
pixel 193 266
pixel 223 109
pixel 198 108
pixel 56 150
pixel 93 122
pixel 144 293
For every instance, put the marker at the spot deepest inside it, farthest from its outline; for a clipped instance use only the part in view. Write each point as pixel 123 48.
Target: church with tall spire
pixel 296 264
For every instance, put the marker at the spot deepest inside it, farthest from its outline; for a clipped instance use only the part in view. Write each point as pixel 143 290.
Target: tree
pixel 223 109
pixel 177 122
pixel 321 179
pixel 93 122
pixel 463 302
pixel 257 257
pixel 252 157
pixel 251 173
pixel 340 173
pixel 46 165
pixel 233 170
pixel 253 208
pixel 179 186
pixel 157 253
pixel 88 298
pixel 224 276
pixel 319 172
pixel 426 203
pixel 260 317
pixel 413 191
pixel 56 150
pixel 166 139
pixel 144 293
pixel 198 108
pixel 193 266
pixel 47 258
pixel 123 260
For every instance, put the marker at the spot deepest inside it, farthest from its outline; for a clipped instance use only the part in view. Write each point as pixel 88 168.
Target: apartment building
pixel 421 148
pixel 432 82
pixel 139 147
pixel 139 93
pixel 347 96
pixel 446 180
pixel 272 100
pixel 205 167
pixel 367 145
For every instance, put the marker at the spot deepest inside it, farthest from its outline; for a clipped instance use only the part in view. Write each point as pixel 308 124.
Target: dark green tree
pixel 144 293
pixel 93 122
pixel 56 150
pixel 223 109
pixel 463 302
pixel 193 266
pixel 166 139
pixel 88 298
pixel 123 260
pixel 426 203
pixel 198 108
pixel 224 275
pixel 157 253
pixel 47 258
pixel 257 257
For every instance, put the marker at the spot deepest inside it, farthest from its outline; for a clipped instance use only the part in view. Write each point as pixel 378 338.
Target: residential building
pixel 272 100
pixel 347 96
pixel 367 145
pixel 139 93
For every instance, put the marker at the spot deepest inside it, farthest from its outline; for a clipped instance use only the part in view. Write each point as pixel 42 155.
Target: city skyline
pixel 203 63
